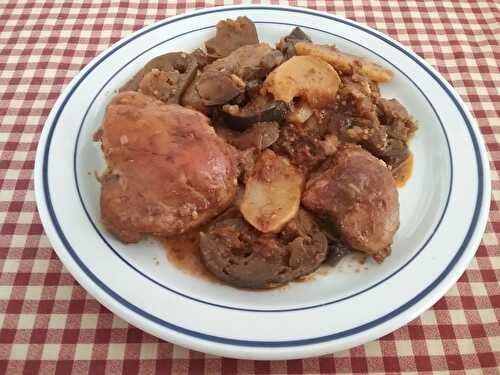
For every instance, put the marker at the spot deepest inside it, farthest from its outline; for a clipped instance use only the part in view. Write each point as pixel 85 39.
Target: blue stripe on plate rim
pixel 268 344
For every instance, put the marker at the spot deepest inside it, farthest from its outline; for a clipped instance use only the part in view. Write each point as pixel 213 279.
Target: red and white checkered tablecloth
pixel 50 324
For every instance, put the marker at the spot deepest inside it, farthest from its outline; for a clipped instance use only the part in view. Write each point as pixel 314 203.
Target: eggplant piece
pixel 191 98
pixel 165 77
pixel 287 44
pixel 297 34
pixel 259 136
pixel 259 110
pixel 217 88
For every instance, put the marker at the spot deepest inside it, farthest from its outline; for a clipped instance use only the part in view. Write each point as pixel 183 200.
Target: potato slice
pixel 307 77
pixel 272 193
pixel 343 62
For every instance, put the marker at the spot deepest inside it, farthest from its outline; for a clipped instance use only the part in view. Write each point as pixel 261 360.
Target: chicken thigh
pixel 357 192
pixel 167 172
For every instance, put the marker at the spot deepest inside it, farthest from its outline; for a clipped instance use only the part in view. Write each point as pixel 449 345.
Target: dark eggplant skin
pixel 276 111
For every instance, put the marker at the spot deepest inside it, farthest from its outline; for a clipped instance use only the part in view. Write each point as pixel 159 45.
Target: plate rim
pixel 475 230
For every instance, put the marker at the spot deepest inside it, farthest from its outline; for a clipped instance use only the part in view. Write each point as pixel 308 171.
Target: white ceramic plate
pixel 443 208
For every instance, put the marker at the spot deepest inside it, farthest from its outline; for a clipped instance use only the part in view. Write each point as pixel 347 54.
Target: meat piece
pixel 399 123
pixel 364 84
pixel 355 118
pixel 237 253
pixel 357 193
pixel 356 99
pixel 400 126
pixel 361 116
pixel 394 153
pixel 287 44
pixel 359 130
pixel 306 145
pixel 165 77
pixel 231 35
pixel 168 171
pixel 301 149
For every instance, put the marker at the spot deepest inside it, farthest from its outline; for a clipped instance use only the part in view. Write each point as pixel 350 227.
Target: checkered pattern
pixel 49 324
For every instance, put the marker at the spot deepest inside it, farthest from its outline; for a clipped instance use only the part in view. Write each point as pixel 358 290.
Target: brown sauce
pixel 183 252
pixel 403 173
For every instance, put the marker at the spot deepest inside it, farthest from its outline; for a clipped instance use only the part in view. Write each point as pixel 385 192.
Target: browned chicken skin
pixel 357 193
pixel 167 169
